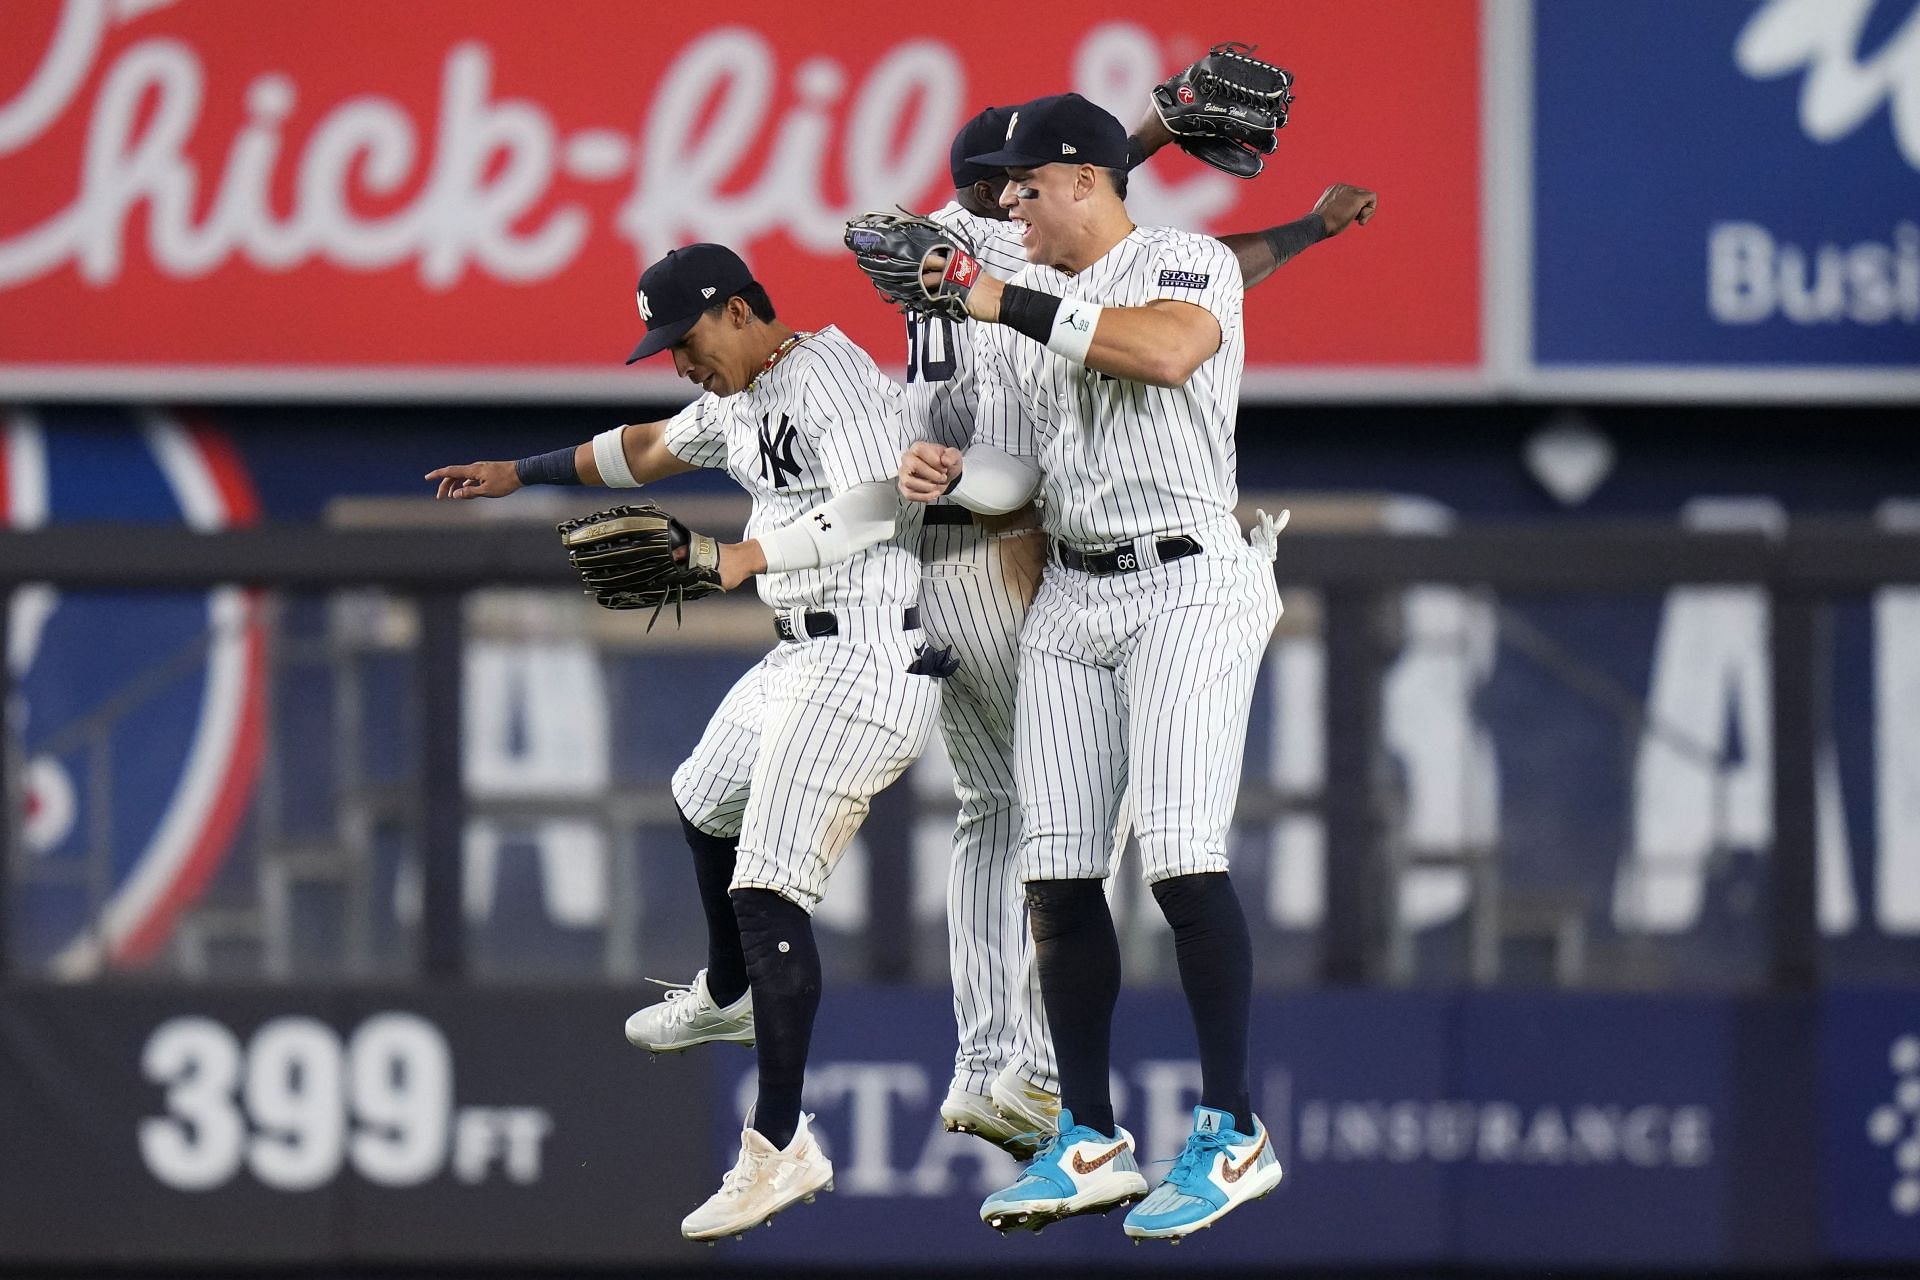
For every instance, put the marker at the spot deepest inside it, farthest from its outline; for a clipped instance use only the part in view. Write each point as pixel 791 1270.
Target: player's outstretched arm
pixel 1160 344
pixel 624 457
pixel 1261 253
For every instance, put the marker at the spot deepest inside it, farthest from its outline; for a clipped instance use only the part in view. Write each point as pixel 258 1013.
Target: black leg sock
pixel 1078 957
pixel 713 871
pixel 784 966
pixel 1216 971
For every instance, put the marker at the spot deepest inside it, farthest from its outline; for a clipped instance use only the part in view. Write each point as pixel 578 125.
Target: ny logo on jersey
pixel 776 452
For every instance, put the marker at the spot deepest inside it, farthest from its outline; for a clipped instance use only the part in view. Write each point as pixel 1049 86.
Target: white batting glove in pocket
pixel 1265 534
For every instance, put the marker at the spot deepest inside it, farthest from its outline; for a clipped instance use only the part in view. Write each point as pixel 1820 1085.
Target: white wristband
pixel 1073 326
pixel 610 456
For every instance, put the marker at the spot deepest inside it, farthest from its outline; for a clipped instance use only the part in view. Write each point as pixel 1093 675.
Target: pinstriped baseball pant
pixel 796 752
pixel 969 604
pixel 1140 680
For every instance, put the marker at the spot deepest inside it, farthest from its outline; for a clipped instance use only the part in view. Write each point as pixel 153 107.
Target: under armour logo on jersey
pixel 820 518
pixel 777 466
pixel 646 308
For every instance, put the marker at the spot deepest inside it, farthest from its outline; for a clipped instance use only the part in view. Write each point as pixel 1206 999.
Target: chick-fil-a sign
pixel 469 187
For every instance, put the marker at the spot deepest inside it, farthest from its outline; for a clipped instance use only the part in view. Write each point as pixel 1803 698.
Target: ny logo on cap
pixel 646 308
pixel 1012 125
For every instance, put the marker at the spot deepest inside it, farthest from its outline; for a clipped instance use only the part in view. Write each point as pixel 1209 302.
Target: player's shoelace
pixel 741 1176
pixel 1196 1156
pixel 679 1007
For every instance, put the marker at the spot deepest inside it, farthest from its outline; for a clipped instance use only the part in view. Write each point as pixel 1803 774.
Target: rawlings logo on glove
pixel 1226 108
pixel 894 251
pixel 625 556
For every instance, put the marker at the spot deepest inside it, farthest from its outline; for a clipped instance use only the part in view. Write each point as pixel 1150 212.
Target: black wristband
pixel 1290 238
pixel 548 468
pixel 1028 311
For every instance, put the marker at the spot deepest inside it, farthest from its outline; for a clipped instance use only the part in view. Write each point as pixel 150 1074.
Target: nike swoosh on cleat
pixel 1082 1166
pixel 1233 1173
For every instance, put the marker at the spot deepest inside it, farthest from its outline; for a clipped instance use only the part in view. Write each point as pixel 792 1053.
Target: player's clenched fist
pixel 1343 204
pixel 928 470
pixel 475 480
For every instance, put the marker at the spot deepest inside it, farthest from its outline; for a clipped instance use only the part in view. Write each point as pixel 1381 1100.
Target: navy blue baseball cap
pixel 1062 129
pixel 676 290
pixel 982 133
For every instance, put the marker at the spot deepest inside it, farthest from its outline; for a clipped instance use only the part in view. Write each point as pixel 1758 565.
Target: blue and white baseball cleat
pixel 1219 1170
pixel 1077 1170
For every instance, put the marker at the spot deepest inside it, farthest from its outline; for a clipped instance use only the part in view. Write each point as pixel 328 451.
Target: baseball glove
pixel 625 556
pixel 891 248
pixel 1226 108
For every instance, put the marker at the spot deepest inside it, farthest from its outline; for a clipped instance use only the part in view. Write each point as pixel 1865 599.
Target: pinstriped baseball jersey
pixel 1135 684
pixel 1122 459
pixel 970 606
pixel 812 731
pixel 940 382
pixel 821 421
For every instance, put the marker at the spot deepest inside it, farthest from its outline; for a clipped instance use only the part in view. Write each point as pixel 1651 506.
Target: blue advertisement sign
pixel 1870 1124
pixel 1730 184
pixel 1496 1130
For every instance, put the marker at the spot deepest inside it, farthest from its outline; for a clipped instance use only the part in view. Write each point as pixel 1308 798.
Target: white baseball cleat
pixel 1028 1107
pixel 974 1113
pixel 688 1016
pixel 762 1182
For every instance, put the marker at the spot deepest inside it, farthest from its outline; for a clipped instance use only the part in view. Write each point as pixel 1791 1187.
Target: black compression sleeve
pixel 1291 237
pixel 1028 311
pixel 556 467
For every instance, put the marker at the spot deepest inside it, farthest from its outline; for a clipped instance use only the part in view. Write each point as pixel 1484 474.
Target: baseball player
pixel 1108 374
pixel 783 776
pixel 979 577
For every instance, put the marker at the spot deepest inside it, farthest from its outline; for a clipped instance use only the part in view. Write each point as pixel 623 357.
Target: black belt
pixel 822 622
pixel 1124 559
pixel 949 515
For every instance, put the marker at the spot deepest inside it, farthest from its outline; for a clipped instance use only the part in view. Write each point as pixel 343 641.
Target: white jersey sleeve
pixel 1200 270
pixel 698 433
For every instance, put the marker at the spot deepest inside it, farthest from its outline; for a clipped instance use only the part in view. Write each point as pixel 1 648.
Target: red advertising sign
pixel 454 197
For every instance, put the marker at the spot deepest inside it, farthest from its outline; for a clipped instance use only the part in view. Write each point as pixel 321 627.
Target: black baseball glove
pixel 892 249
pixel 1226 108
pixel 625 556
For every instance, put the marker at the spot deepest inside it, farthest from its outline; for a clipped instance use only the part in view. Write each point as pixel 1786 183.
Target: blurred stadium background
pixel 1581 825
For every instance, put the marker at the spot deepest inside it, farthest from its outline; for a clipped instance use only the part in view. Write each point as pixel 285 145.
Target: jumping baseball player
pixel 980 575
pixel 1108 374
pixel 783 776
